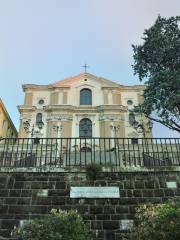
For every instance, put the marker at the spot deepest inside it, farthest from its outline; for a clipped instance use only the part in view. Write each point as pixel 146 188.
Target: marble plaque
pixel 126 224
pixel 94 192
pixel 171 184
pixel 42 193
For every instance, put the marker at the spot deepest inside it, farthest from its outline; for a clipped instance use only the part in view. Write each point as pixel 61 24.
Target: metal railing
pixel 66 152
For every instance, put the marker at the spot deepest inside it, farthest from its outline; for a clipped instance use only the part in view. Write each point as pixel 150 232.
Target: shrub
pixel 158 222
pixel 58 225
pixel 93 170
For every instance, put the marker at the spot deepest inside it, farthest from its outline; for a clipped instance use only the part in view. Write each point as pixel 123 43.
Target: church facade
pixel 83 106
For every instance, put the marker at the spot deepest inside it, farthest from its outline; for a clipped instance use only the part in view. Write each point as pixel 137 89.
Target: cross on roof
pixel 85 67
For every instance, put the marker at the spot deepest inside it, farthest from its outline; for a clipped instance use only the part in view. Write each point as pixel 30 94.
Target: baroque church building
pixel 82 106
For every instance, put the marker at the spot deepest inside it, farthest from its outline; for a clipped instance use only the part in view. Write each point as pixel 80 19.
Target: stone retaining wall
pixel 27 195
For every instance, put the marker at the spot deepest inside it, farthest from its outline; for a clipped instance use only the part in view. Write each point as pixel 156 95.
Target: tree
pixel 157 222
pixel 157 61
pixel 58 225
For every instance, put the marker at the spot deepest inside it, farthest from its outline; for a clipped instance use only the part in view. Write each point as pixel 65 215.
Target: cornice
pixel 122 87
pixel 50 108
pixel 112 108
pixel 85 109
pixel 76 109
pixel 60 117
pixel 34 87
pixel 26 108
pixel 111 117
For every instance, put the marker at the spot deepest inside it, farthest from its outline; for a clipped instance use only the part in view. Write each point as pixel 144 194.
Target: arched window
pixel 85 97
pixel 132 119
pixel 38 118
pixel 85 128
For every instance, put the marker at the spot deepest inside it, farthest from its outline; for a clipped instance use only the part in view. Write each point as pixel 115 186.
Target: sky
pixel 42 41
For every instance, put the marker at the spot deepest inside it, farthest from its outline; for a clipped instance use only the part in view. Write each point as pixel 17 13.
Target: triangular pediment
pixel 80 80
pixel 67 82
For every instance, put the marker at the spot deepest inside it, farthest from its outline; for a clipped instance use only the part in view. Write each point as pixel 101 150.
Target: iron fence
pixel 66 152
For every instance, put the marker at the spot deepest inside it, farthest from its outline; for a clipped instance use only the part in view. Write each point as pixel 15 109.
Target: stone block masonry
pixel 26 195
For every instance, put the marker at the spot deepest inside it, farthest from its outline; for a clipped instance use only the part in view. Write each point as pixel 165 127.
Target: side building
pixel 82 106
pixel 7 128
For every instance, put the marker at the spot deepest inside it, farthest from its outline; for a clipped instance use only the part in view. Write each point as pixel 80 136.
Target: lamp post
pixel 141 127
pixel 31 129
pixel 115 129
pixel 58 130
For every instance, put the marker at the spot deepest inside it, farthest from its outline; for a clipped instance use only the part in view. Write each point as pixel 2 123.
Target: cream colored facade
pixel 7 128
pixel 59 104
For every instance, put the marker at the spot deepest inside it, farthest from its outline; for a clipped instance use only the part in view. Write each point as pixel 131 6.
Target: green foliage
pixel 93 170
pixel 157 222
pixel 157 61
pixel 58 225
